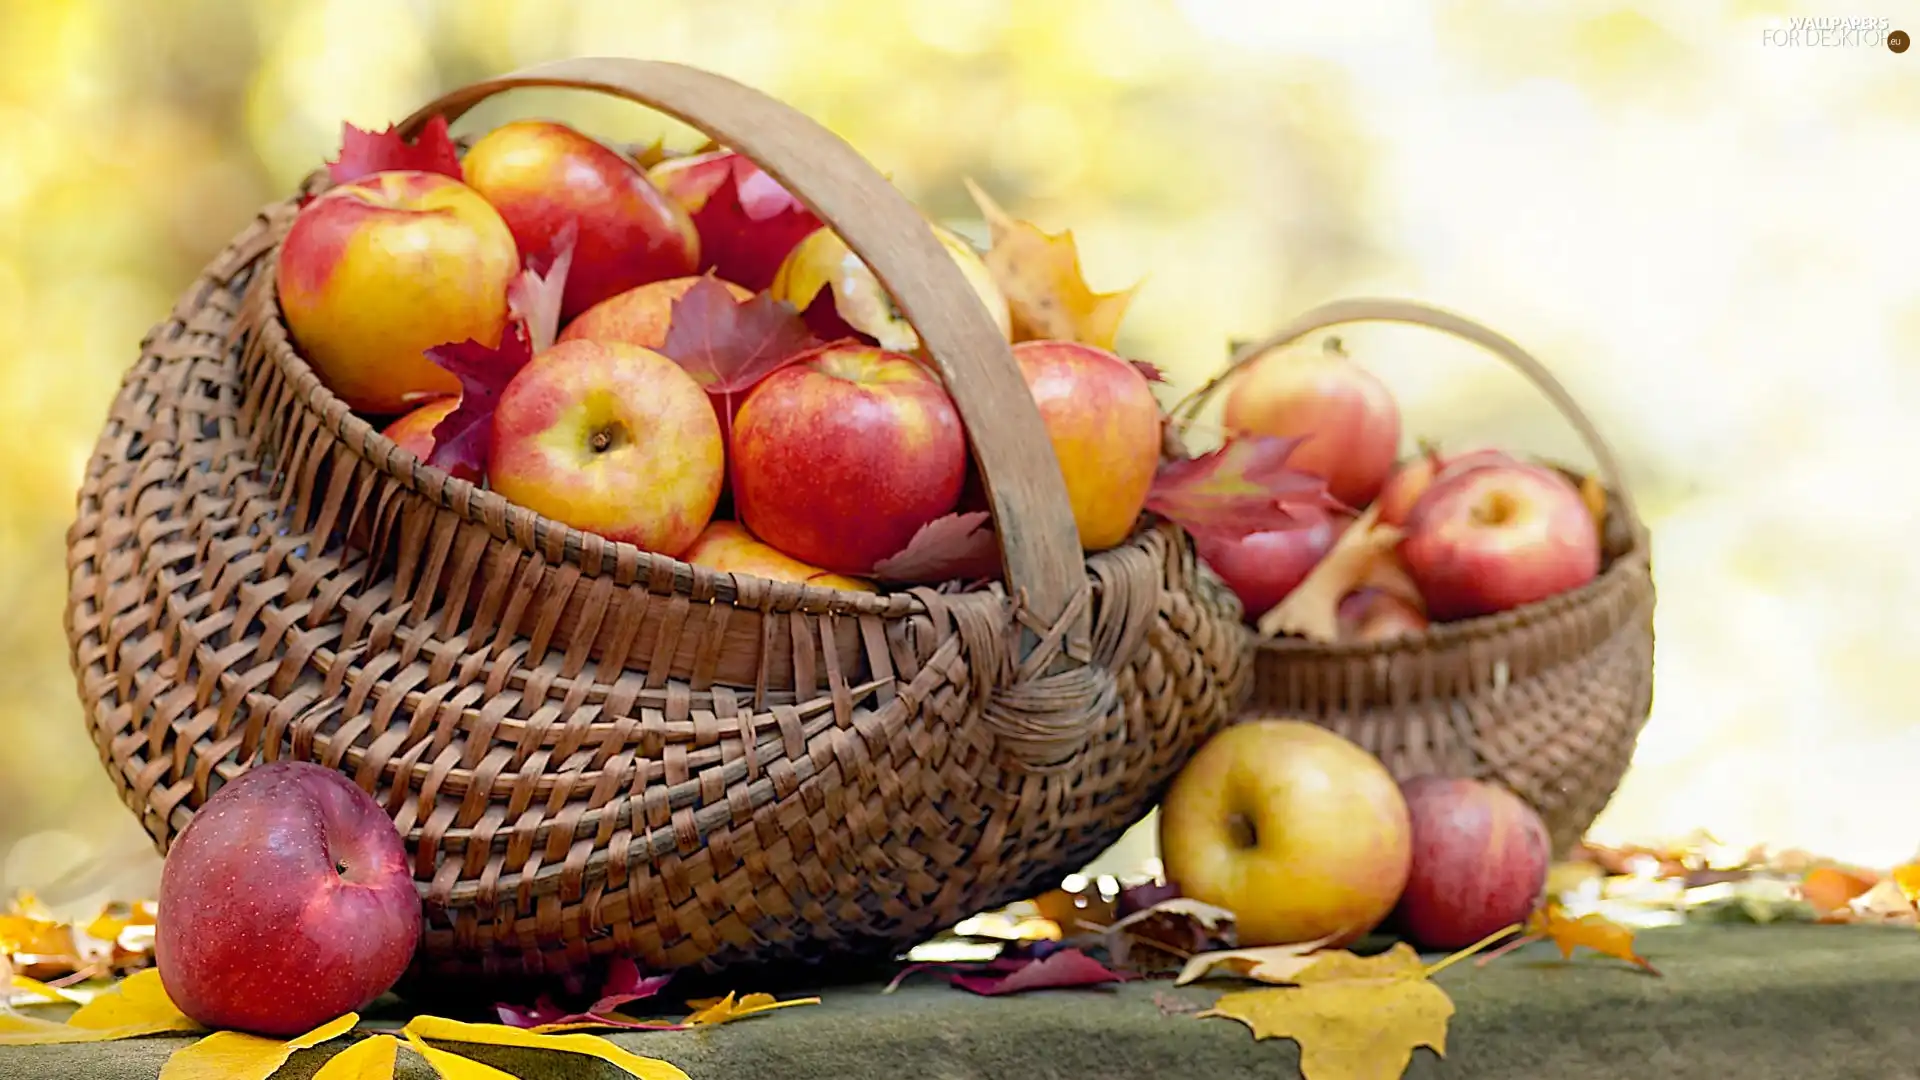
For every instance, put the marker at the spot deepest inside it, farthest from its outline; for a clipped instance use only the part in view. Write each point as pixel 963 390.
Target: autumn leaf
pixel 1829 889
pixel 710 1011
pixel 746 219
pixel 53 994
pixel 1595 496
pixel 1312 609
pixel 420 1029
pixel 1353 1017
pixel 464 439
pixel 136 1005
pixel 1145 895
pixel 533 297
pixel 1165 936
pixel 1243 487
pixel 1151 371
pixel 623 985
pixel 372 1058
pixel 1040 275
pixel 363 153
pixel 729 345
pixel 231 1055
pixel 1907 879
pixel 1593 931
pixel 956 547
pixel 1269 963
pixel 1058 970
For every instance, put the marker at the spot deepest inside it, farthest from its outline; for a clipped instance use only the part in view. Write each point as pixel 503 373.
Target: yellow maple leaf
pixel 421 1028
pixel 1907 877
pixel 1271 963
pixel 720 1010
pixel 137 1005
pixel 231 1055
pixel 451 1066
pixel 1039 273
pixel 1593 931
pixel 47 993
pixel 371 1058
pixel 1354 1017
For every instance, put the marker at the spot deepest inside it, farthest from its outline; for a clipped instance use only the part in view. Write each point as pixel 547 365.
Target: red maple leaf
pixel 624 984
pixel 534 295
pixel 1057 970
pixel 465 437
pixel 1244 487
pixel 729 345
pixel 950 548
pixel 363 153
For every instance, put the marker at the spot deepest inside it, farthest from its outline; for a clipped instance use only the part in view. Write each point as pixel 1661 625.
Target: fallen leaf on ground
pixel 137 1005
pixel 1143 896
pixel 1040 275
pixel 421 1029
pixel 710 1011
pixel 1829 889
pixel 363 153
pixel 1169 934
pixel 1061 969
pixel 232 1055
pixel 1354 1018
pixel 955 547
pixel 1077 912
pixel 372 1058
pixel 1312 609
pixel 55 994
pixel 1269 963
pixel 1243 487
pixel 623 985
pixel 1907 878
pixel 533 296
pixel 1592 931
pixel 463 440
pixel 1886 902
pixel 729 345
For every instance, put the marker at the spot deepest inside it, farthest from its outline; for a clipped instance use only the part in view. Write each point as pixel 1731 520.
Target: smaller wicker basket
pixel 1547 699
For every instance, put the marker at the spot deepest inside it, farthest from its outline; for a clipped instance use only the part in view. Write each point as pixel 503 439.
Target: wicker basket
pixel 1548 699
pixel 592 750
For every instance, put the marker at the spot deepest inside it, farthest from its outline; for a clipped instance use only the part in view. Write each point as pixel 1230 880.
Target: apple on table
pixel 1480 862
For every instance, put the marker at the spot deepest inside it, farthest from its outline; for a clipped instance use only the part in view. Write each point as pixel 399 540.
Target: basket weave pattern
pixel 591 750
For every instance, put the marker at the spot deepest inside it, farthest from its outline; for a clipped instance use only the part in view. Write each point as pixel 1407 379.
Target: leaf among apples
pixel 533 297
pixel 729 345
pixel 1244 487
pixel 363 153
pixel 956 547
pixel 1364 556
pixel 1040 275
pixel 1167 935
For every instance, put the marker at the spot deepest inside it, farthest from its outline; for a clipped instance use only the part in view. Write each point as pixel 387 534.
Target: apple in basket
pixel 1480 857
pixel 638 316
pixel 1263 567
pixel 1104 423
pixel 838 459
pixel 1371 614
pixel 1299 832
pixel 613 439
pixel 287 901
pixel 414 431
pixel 1411 479
pixel 1346 415
pixel 375 272
pixel 747 221
pixel 1494 537
pixel 840 296
pixel 548 179
pixel 727 546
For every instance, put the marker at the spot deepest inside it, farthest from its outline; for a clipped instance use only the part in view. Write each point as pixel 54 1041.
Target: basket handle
pixel 1045 567
pixel 1378 309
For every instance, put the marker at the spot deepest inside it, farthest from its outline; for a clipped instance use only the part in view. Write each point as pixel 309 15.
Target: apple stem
pixel 1333 346
pixel 599 441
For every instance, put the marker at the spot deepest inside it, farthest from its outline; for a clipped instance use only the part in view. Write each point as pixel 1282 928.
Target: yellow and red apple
pixel 1480 861
pixel 1494 537
pixel 414 431
pixel 545 176
pixel 1411 480
pixel 613 439
pixel 856 304
pixel 640 315
pixel 745 234
pixel 727 546
pixel 1104 423
pixel 1302 834
pixel 374 273
pixel 1346 417
pixel 840 458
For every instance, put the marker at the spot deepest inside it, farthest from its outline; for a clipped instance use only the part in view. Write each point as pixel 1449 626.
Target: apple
pixel 854 304
pixel 613 439
pixel 1299 832
pixel 543 175
pixel 375 272
pixel 1494 537
pixel 414 432
pixel 1347 418
pixel 1480 859
pixel 840 458
pixel 1263 567
pixel 1369 615
pixel 727 546
pixel 640 315
pixel 1412 479
pixel 745 235
pixel 287 901
pixel 1104 423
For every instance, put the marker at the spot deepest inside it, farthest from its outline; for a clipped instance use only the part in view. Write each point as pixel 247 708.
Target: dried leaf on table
pixel 711 1011
pixel 955 547
pixel 1244 487
pixel 729 345
pixel 363 153
pixel 1166 936
pixel 40 991
pixel 1269 963
pixel 1907 878
pixel 1058 970
pixel 231 1055
pixel 1886 902
pixel 1354 1018
pixel 533 296
pixel 1140 897
pixel 372 1058
pixel 1312 609
pixel 1086 911
pixel 137 1005
pixel 1592 931
pixel 1830 889
pixel 422 1029
pixel 1040 275
pixel 624 984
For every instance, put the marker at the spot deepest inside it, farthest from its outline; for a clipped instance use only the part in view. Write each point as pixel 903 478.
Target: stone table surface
pixel 1735 1003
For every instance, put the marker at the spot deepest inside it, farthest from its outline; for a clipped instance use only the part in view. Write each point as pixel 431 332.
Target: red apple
pixel 543 176
pixel 1104 423
pixel 1348 418
pixel 746 220
pixel 1371 614
pixel 1412 479
pixel 1480 858
pixel 1494 537
pixel 638 316
pixel 287 901
pixel 1262 568
pixel 839 459
pixel 611 438
pixel 414 431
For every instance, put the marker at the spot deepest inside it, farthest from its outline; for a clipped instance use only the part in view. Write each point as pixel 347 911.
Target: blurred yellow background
pixel 1710 239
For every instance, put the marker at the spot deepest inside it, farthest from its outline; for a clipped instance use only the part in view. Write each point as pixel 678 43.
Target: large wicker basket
pixel 1547 699
pixel 592 750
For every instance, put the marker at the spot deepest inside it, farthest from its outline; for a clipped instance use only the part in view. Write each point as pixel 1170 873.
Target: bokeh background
pixel 1710 240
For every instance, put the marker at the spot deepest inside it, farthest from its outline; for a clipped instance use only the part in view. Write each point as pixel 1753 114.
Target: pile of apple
pixel 1455 535
pixel 677 355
